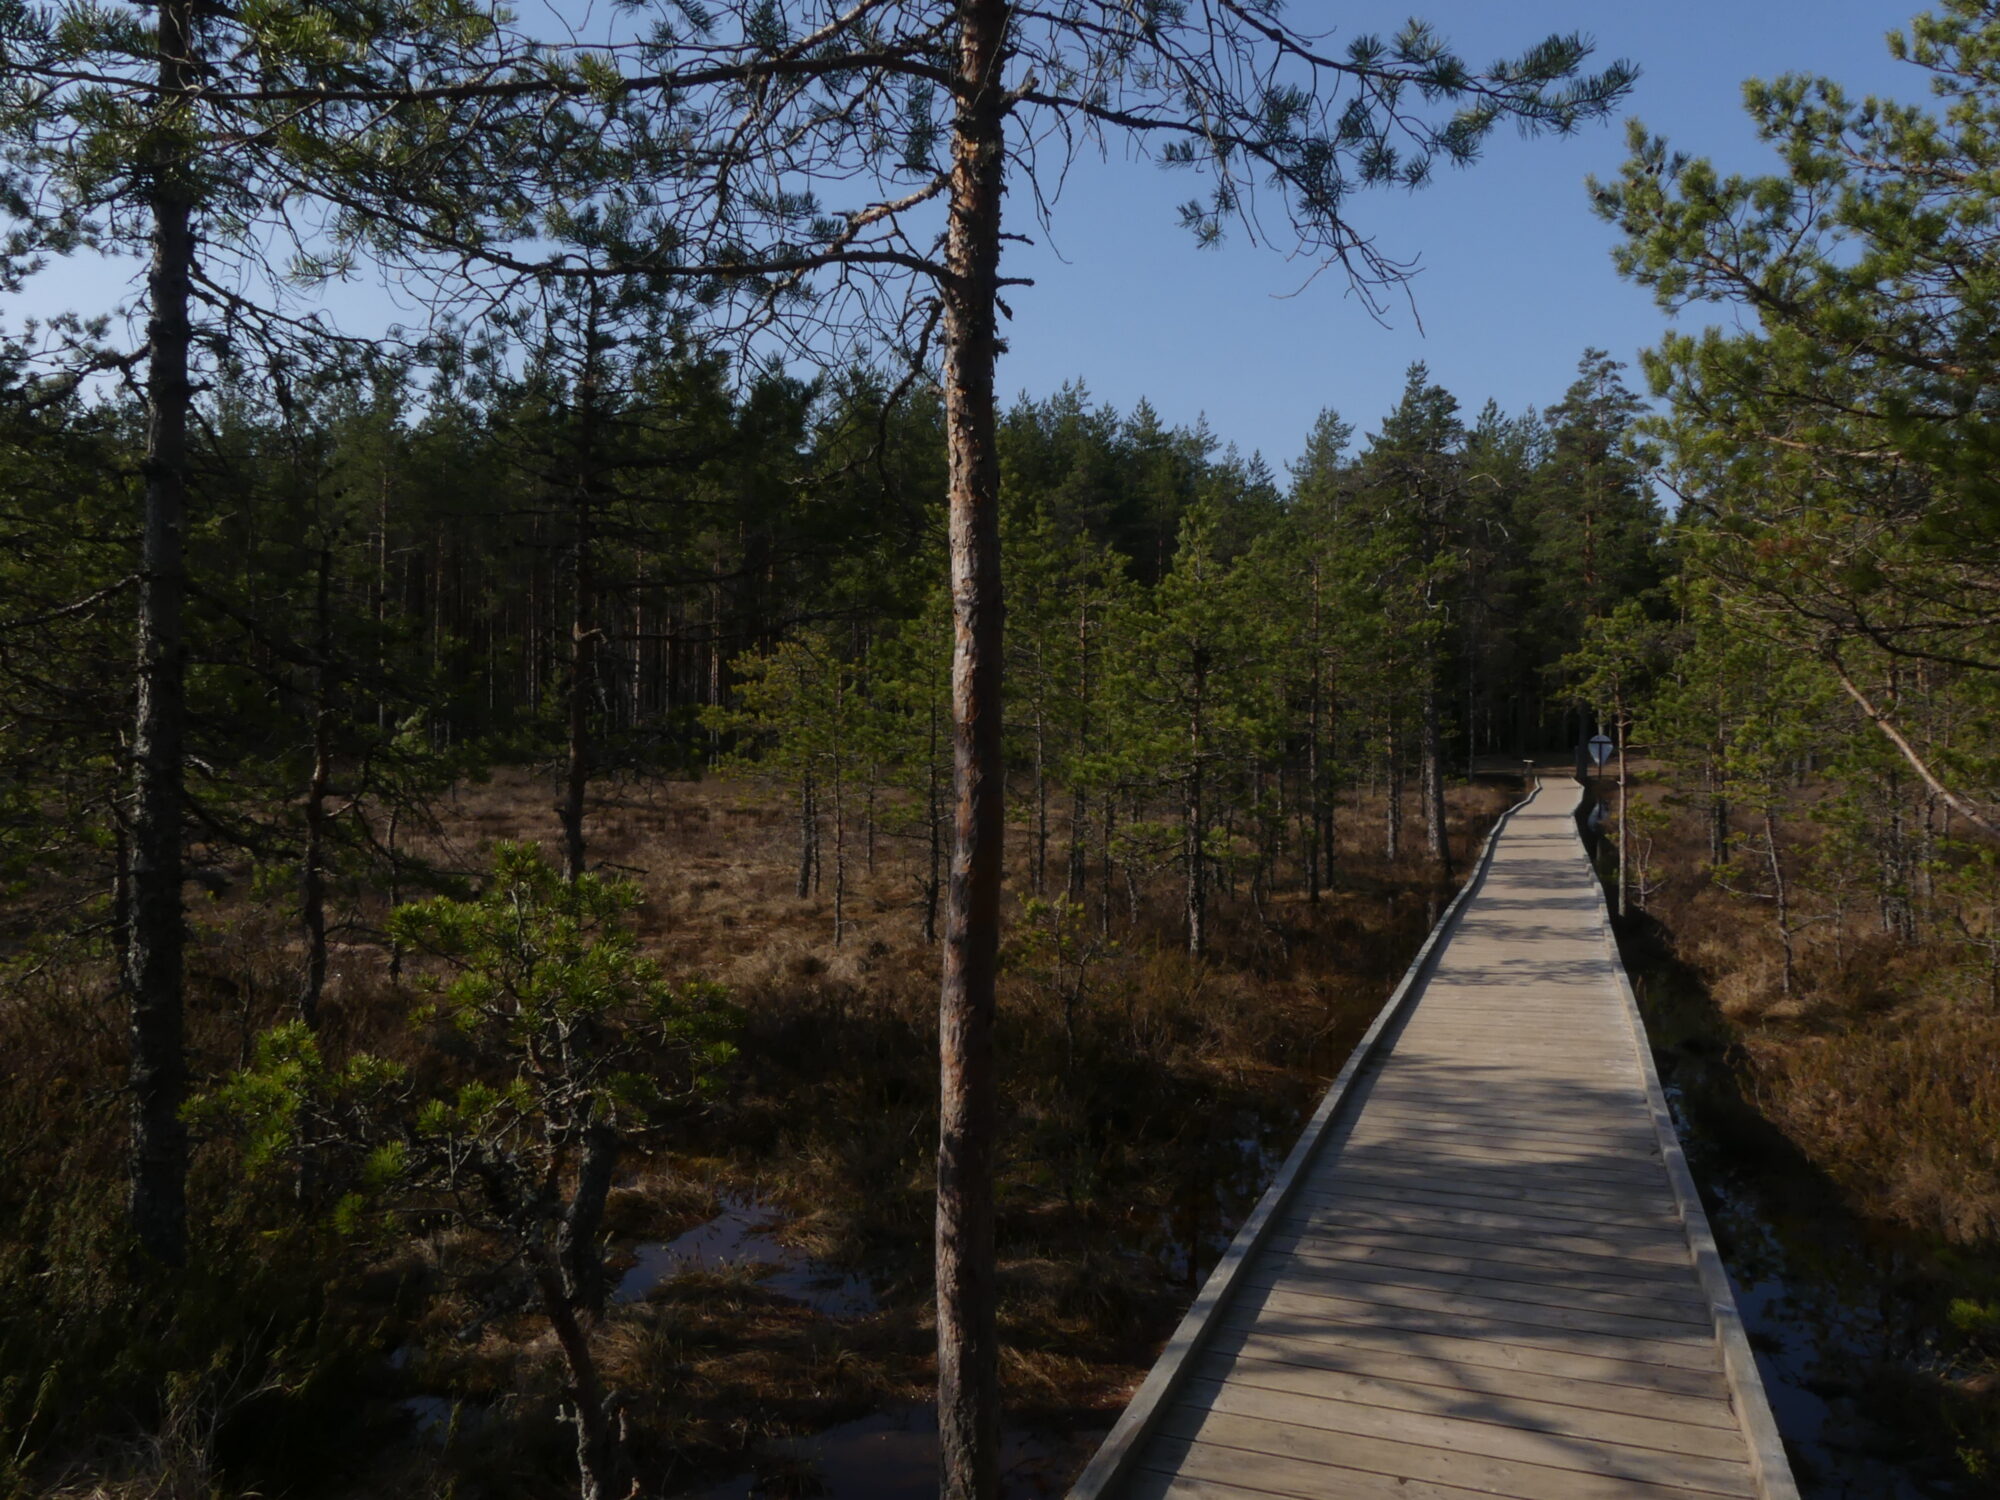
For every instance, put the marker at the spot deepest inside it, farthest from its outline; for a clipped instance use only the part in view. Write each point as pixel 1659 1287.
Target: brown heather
pixel 1151 1131
pixel 1883 1066
pixel 1862 1113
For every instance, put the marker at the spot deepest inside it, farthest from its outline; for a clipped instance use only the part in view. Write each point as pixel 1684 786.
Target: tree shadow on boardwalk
pixel 1499 1278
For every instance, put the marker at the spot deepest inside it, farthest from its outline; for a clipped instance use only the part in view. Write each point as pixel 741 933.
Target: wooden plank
pixel 1436 1041
pixel 1294 1279
pixel 1550 1059
pixel 1285 1311
pixel 1533 1181
pixel 1567 1421
pixel 1354 1219
pixel 1637 1206
pixel 1157 1485
pixel 1291 1443
pixel 1414 1365
pixel 1425 1107
pixel 1583 1170
pixel 1377 1187
pixel 1577 1167
pixel 1679 1290
pixel 1452 1127
pixel 1403 1096
pixel 1222 1472
pixel 1403 1155
pixel 1614 1239
pixel 1654 1309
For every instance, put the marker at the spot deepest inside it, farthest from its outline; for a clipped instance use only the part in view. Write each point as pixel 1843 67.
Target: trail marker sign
pixel 1600 748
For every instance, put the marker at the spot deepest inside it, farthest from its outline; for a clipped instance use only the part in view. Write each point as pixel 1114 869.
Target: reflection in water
pixel 736 1237
pixel 1236 1169
pixel 893 1455
pixel 434 1417
pixel 1819 1316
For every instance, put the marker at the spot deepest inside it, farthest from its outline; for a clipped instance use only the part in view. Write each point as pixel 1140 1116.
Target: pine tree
pixel 192 138
pixel 804 704
pixel 1192 699
pixel 1835 456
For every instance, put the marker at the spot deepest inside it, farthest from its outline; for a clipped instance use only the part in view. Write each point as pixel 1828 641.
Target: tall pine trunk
pixel 582 1227
pixel 1718 810
pixel 1437 835
pixel 1041 864
pixel 583 633
pixel 839 809
pixel 576 777
pixel 1392 823
pixel 968 1353
pixel 1104 848
pixel 1312 814
pixel 312 866
pixel 1194 830
pixel 934 824
pixel 154 937
pixel 808 836
pixel 1781 899
pixel 600 1454
pixel 1079 814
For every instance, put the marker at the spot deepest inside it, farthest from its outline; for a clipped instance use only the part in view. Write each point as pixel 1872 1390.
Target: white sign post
pixel 1600 749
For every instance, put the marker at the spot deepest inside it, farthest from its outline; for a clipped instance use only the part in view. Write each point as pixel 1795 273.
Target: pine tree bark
pixel 1437 839
pixel 312 865
pixel 577 1237
pixel 582 671
pixel 968 1353
pixel 1195 857
pixel 154 952
pixel 839 811
pixel 1194 835
pixel 1104 849
pixel 1079 816
pixel 1312 798
pixel 583 632
pixel 1041 863
pixel 934 824
pixel 1392 830
pixel 1781 898
pixel 1718 810
pixel 600 1454
pixel 808 836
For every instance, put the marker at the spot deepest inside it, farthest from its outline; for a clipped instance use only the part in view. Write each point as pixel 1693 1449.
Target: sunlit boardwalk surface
pixel 1476 1276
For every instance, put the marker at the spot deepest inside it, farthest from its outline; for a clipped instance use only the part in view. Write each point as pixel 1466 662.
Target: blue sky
pixel 1516 276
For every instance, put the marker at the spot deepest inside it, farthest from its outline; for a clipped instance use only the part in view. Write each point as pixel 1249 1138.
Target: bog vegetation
pixel 434 1082
pixel 558 752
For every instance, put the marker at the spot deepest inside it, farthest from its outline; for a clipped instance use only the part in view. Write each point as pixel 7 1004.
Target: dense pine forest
pixel 483 804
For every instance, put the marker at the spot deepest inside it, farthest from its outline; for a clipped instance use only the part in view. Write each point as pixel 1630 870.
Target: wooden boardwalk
pixel 1483 1271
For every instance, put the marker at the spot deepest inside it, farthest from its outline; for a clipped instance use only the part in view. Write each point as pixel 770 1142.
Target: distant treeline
pixel 393 585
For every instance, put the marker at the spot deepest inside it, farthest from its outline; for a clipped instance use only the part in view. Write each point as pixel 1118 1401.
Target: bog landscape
pixel 631 879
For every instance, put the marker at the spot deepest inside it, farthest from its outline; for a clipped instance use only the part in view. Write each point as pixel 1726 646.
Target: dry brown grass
pixel 1131 1146
pixel 1881 1066
pixel 1861 1111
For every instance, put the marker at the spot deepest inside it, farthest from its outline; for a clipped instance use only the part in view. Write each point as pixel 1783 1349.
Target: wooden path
pixel 1483 1271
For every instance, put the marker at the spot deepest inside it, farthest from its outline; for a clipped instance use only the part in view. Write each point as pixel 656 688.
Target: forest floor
pixel 1846 1132
pixel 772 1256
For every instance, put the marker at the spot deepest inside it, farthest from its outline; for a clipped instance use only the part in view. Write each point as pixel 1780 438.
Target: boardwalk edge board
pixel 1171 1369
pixel 1770 1469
